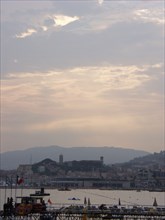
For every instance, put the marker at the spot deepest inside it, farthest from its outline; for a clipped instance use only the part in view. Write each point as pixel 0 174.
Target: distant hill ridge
pixel 155 158
pixel 11 160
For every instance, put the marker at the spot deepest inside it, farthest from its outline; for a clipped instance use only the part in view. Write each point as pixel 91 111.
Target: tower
pixel 102 160
pixel 61 159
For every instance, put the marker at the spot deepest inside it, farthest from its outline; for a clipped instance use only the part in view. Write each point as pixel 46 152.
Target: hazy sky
pixel 82 73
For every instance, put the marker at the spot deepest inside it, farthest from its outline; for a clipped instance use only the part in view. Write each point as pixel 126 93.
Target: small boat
pixel 64 189
pixel 138 190
pixel 40 193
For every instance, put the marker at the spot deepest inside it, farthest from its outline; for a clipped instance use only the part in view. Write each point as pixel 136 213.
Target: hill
pixel 151 160
pixel 11 160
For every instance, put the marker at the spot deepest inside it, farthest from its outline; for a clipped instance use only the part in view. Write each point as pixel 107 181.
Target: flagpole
pixel 22 179
pixel 11 186
pixel 16 188
pixel 5 189
pixel 22 190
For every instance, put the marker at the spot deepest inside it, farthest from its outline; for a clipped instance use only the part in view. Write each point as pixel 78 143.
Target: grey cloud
pixel 123 43
pixel 49 22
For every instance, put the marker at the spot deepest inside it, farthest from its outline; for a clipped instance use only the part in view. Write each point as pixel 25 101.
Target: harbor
pixel 35 207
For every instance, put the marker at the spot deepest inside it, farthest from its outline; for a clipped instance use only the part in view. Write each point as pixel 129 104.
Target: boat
pixel 40 193
pixel 156 190
pixel 64 189
pixel 138 190
pixel 24 205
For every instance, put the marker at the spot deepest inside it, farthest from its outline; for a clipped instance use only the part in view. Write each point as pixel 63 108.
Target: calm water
pixel 110 197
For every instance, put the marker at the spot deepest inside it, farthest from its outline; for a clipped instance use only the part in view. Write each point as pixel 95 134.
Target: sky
pixel 82 73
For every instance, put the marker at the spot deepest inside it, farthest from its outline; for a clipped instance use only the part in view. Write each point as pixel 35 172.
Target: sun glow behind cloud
pixel 70 89
pixel 62 20
pixel 100 100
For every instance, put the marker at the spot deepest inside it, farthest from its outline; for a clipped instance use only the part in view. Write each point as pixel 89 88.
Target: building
pixel 25 170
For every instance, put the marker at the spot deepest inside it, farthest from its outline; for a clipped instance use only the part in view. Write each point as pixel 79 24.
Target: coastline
pixel 82 188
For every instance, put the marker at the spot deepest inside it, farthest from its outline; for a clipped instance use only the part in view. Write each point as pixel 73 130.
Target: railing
pixel 79 212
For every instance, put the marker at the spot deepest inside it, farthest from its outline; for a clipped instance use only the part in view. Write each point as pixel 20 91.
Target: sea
pixel 95 196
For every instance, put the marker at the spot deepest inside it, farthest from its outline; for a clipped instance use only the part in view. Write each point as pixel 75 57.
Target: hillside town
pixel 144 173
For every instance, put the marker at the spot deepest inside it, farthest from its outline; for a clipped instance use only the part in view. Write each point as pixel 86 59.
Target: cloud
pixel 27 33
pixel 92 18
pixel 67 88
pixel 47 24
pixel 126 12
pixel 155 16
pixel 62 20
pixel 50 21
pixel 124 43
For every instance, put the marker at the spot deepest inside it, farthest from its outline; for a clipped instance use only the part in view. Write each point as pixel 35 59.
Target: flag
pixel 49 201
pixel 20 180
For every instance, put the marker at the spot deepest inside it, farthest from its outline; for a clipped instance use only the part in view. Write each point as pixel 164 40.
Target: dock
pixel 75 212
